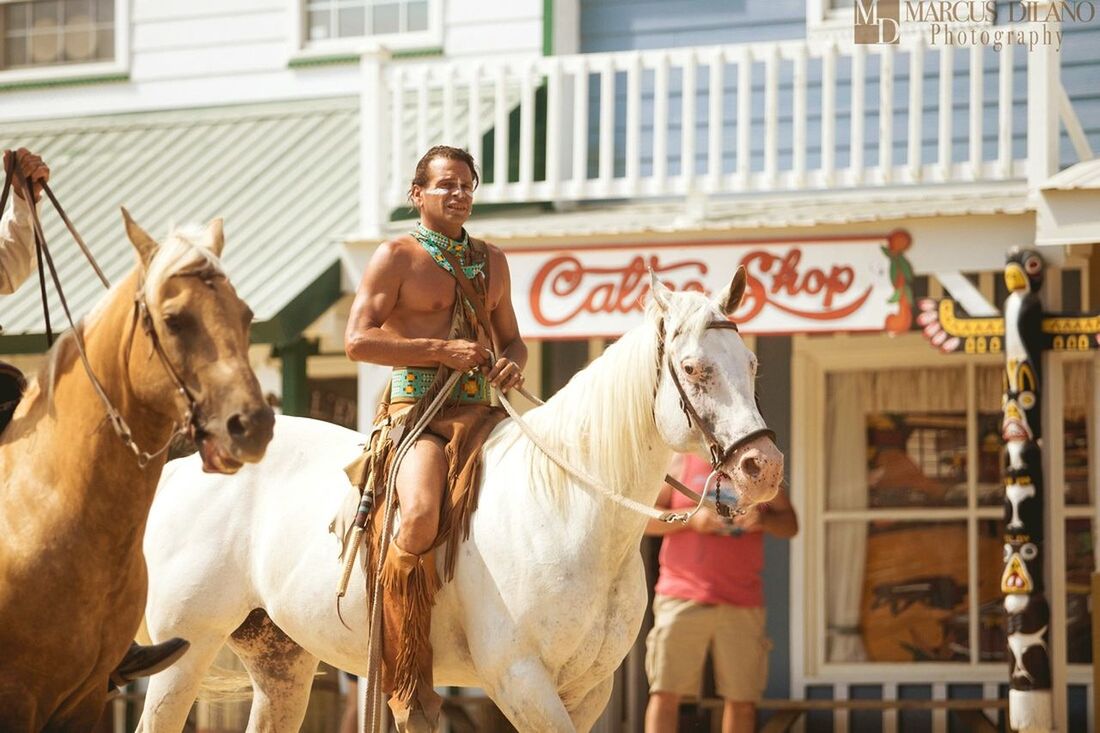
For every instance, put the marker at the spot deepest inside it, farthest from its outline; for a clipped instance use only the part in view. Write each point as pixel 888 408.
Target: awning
pixel 284 176
pixel 1069 206
pixel 730 214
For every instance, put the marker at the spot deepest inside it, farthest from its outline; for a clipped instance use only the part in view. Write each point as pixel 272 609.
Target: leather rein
pixel 189 425
pixel 719 455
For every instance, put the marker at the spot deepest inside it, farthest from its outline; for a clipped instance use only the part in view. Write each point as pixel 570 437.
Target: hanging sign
pixel 857 284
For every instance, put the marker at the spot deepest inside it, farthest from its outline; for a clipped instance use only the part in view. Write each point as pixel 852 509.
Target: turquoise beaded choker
pixel 435 244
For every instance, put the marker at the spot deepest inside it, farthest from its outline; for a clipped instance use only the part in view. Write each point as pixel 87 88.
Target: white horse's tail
pixel 223 684
pixel 220 684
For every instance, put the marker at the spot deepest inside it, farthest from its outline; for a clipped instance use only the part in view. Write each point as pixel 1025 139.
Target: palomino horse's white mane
pixel 604 416
pixel 180 252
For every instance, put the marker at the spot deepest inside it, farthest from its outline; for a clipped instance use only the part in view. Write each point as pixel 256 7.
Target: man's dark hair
pixel 420 176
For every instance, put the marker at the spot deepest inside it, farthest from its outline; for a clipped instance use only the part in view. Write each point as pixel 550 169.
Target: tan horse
pixel 75 499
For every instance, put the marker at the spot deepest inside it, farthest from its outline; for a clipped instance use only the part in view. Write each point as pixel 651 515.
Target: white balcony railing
pixel 785 116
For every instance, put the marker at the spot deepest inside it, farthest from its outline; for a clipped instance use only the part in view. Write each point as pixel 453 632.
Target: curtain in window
pixel 846 446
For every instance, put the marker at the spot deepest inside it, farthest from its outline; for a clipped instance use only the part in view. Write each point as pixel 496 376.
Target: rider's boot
pixel 409 585
pixel 142 661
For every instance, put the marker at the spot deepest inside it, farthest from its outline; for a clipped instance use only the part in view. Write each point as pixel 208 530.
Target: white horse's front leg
pixel 525 693
pixel 588 710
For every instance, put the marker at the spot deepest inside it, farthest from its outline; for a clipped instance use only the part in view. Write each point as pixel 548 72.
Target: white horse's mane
pixel 603 418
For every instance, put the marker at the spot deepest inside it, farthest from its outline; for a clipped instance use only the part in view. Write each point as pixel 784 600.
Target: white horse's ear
pixel 658 291
pixel 214 238
pixel 730 298
pixel 145 245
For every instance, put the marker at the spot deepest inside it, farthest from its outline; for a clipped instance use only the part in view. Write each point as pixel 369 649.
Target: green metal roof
pixel 284 176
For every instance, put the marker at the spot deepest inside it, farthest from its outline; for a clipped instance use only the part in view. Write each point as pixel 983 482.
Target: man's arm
pixel 366 340
pixel 16 246
pixel 16 234
pixel 508 370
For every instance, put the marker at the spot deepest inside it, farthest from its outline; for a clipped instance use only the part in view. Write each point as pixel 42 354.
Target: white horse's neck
pixel 603 423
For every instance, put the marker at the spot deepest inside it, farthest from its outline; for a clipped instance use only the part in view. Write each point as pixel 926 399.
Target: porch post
pixel 1043 80
pixel 374 159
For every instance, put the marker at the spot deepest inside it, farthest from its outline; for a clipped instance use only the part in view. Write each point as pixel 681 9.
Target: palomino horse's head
pixel 200 328
pixel 705 391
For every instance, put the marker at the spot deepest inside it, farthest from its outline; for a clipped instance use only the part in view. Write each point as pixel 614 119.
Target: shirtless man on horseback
pixel 17 260
pixel 408 315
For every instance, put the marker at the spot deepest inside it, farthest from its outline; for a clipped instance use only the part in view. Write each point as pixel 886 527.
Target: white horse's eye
pixel 689 369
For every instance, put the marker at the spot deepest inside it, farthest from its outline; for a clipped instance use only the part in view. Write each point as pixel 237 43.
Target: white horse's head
pixel 706 388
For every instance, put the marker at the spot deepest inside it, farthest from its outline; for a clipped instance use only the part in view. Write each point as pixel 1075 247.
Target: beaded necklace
pixel 435 244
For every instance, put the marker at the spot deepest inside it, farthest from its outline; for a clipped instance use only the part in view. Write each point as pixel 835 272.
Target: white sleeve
pixel 16 245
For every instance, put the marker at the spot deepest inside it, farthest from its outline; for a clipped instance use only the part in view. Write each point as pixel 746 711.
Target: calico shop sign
pixel 794 286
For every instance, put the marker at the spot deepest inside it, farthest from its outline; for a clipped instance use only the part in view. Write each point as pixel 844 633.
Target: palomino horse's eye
pixel 173 322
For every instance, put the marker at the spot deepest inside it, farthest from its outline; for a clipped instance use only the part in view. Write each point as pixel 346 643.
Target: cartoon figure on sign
pixel 901 276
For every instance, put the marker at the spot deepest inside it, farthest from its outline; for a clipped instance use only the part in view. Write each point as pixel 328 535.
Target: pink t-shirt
pixel 710 568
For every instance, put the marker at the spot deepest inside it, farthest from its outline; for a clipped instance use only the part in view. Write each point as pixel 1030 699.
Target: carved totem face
pixel 1021 402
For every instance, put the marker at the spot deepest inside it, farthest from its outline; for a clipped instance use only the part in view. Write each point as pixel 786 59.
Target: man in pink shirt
pixel 710 598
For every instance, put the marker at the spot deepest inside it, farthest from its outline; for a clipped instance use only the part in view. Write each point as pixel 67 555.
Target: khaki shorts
pixel 684 631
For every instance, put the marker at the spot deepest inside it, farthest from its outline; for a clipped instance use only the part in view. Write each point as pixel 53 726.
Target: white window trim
pixel 61 72
pixel 302 49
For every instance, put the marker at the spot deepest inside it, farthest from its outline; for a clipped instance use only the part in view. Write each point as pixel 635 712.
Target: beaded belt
pixel 408 384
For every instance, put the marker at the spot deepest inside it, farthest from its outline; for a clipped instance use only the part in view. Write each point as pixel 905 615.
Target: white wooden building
pixel 682 131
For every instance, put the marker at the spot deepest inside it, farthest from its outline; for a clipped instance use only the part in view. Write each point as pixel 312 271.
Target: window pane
pixel 991 489
pixel 1079 567
pixel 105 11
pixel 385 18
pixel 47 14
pixel 319 21
pixel 991 624
pixel 78 12
pixel 896 591
pixel 45 47
pixel 896 438
pixel 80 45
pixel 916 459
pixel 18 16
pixel 105 44
pixel 15 52
pixel 1078 397
pixel 416 15
pixel 351 22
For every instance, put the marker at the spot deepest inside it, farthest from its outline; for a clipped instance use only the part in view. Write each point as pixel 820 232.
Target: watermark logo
pixel 877 21
pixel 969 22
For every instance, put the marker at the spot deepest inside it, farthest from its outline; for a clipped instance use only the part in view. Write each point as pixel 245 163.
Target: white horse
pixel 549 590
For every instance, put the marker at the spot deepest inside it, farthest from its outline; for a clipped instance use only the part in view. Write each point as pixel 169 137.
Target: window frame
pixel 120 65
pixel 305 49
pixel 813 359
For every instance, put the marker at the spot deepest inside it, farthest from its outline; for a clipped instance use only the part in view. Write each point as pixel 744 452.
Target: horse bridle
pixel 718 454
pixel 190 424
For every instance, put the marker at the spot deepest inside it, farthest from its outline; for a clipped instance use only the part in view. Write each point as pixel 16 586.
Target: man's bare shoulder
pixel 398 252
pixel 496 254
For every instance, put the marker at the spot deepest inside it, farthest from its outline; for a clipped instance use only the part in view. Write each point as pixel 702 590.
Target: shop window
pixel 49 33
pixel 399 24
pixel 913 523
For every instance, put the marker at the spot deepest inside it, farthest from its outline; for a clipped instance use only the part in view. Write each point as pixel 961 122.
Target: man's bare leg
pixel 409 585
pixel 662 713
pixel 738 717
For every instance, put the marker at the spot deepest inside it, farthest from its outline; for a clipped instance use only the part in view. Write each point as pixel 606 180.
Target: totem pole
pixel 1022 335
